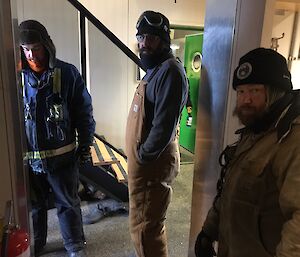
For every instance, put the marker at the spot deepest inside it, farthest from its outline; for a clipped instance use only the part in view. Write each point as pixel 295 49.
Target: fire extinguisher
pixel 15 240
pixel 18 243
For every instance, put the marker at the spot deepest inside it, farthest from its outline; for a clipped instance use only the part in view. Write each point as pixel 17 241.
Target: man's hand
pixel 204 246
pixel 84 154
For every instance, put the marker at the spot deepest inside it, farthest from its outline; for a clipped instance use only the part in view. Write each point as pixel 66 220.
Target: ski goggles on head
pixel 154 20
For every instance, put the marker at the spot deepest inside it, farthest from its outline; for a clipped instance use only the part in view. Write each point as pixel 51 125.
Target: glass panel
pixel 112 82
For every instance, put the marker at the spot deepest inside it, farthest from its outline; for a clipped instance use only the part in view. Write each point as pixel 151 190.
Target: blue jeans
pixel 63 184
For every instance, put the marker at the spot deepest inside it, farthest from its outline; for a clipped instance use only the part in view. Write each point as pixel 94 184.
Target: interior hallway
pixel 110 236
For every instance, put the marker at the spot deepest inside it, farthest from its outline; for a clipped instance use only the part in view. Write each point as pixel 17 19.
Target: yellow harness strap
pixel 57 81
pixel 50 153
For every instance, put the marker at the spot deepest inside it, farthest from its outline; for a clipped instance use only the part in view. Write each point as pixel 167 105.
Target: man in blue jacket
pixel 58 111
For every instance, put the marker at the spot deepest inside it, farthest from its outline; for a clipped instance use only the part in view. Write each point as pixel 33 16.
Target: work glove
pixel 84 155
pixel 204 246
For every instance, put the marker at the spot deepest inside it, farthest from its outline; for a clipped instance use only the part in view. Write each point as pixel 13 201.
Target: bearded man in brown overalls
pixel 151 143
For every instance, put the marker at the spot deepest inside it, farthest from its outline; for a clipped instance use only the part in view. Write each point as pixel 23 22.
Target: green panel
pixel 192 51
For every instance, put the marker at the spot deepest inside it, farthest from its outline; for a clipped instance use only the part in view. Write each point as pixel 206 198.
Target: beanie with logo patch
pixel 263 66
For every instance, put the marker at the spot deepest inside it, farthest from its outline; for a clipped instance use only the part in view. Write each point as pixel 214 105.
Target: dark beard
pixel 151 60
pixel 250 117
pixel 261 119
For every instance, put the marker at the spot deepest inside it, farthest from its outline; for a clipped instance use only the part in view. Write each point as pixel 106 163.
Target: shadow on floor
pixel 186 157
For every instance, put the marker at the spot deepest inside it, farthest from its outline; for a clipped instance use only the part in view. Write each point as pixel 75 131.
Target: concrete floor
pixel 110 236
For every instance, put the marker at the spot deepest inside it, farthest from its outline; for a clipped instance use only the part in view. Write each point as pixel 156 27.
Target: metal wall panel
pixel 11 121
pixel 229 31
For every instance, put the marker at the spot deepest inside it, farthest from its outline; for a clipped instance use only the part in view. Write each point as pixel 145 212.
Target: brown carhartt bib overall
pixel 149 184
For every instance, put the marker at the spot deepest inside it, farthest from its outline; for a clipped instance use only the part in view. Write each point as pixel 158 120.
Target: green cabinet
pixel 192 63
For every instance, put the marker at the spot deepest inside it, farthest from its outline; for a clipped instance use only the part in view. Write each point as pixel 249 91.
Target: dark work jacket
pixel 166 95
pixel 257 213
pixel 52 120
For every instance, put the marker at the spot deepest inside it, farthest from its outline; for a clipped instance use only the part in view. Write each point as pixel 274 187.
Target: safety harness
pixel 56 77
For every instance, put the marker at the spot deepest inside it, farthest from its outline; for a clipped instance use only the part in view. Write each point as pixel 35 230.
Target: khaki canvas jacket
pixel 258 213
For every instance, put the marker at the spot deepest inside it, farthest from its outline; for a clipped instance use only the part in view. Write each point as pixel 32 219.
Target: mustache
pixel 33 59
pixel 237 110
pixel 145 50
pixel 247 107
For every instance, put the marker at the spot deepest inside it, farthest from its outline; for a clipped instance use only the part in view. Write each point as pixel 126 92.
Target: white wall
pixel 108 68
pixel 268 23
pixel 113 14
pixel 108 87
pixel 283 23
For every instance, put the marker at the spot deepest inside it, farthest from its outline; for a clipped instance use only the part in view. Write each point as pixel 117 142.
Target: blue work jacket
pixel 55 116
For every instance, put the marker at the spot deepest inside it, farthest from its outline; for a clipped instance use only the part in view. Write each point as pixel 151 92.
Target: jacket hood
pixel 32 31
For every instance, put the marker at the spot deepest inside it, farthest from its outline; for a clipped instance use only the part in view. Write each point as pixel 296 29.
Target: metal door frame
pixel 12 136
pixel 230 31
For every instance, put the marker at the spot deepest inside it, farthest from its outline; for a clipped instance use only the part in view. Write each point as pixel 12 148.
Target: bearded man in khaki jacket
pixel 257 208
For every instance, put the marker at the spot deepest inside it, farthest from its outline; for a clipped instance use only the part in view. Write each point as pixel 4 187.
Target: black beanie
pixel 263 66
pixel 154 23
pixel 31 31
